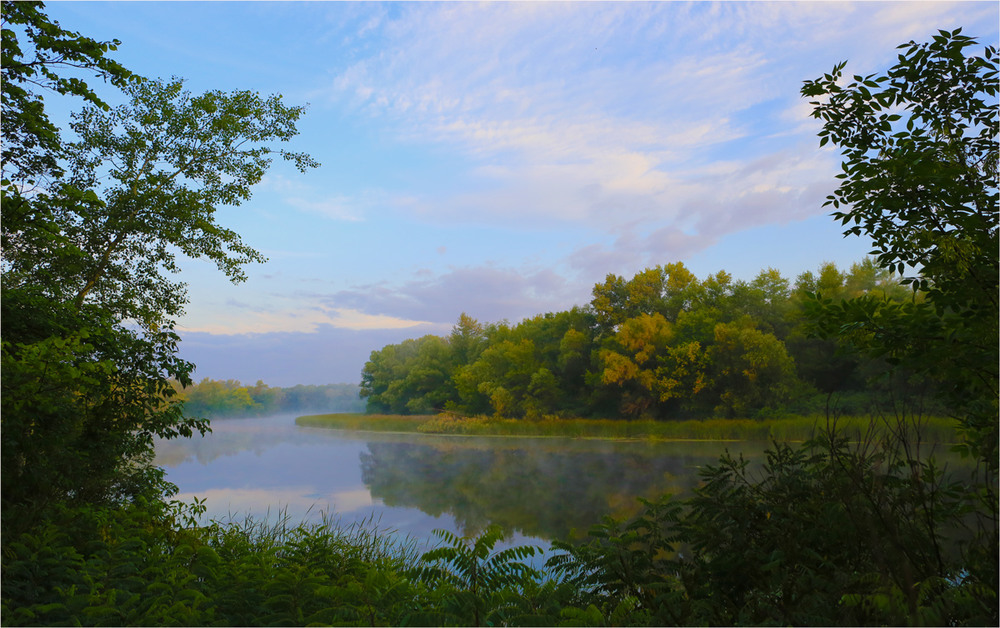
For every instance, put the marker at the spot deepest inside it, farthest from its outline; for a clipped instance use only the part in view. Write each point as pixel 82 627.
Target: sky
pixel 500 159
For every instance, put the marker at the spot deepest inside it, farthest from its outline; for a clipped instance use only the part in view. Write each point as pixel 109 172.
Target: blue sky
pixel 501 159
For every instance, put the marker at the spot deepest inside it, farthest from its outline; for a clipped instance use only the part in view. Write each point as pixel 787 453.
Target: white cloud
pixel 623 139
pixel 484 292
pixel 340 208
pixel 295 314
pixel 354 319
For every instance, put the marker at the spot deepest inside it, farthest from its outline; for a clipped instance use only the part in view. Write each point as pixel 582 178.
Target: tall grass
pixel 364 540
pixel 365 422
pixel 786 429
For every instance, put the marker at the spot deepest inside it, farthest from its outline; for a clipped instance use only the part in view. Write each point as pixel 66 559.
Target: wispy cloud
pixel 488 293
pixel 594 115
pixel 336 208
pixel 605 114
pixel 293 313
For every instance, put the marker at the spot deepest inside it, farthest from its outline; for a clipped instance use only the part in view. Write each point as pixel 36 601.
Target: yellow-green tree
pixel 751 370
pixel 641 361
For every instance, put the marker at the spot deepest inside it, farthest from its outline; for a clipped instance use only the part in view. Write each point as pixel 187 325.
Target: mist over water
pixel 536 489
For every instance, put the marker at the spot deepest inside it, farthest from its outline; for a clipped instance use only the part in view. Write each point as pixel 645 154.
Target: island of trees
pixel 661 345
pixel 831 532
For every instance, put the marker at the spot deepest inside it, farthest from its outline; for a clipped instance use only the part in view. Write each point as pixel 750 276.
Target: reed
pixel 365 422
pixel 785 429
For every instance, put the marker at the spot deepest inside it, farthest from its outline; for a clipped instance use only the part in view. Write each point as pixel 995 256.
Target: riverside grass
pixel 785 429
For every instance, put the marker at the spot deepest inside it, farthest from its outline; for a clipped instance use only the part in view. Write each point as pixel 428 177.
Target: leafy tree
pixel 34 50
pixel 634 361
pixel 90 230
pixel 503 375
pixel 219 398
pixel 767 301
pixel 468 339
pixel 920 179
pixel 411 377
pixel 266 398
pixel 920 147
pixel 153 173
pixel 751 369
pixel 666 290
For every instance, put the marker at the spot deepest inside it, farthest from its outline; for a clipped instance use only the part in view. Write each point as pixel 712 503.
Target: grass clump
pixel 784 429
pixel 365 422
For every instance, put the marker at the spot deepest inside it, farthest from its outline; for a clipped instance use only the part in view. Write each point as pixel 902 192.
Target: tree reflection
pixel 547 490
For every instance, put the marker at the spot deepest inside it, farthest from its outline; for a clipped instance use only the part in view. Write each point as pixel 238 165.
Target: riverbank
pixel 786 429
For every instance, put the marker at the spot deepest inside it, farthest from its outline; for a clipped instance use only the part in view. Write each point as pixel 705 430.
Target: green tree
pixel 468 339
pixel 219 398
pixel 90 232
pixel 920 179
pixel 153 173
pixel 267 399
pixel 34 50
pixel 502 376
pixel 667 290
pixel 750 369
pixel 414 376
pixel 920 147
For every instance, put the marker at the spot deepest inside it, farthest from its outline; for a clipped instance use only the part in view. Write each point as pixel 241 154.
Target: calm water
pixel 536 489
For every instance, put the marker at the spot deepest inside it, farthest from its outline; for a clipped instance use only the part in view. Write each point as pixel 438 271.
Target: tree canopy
pixel 663 344
pixel 920 179
pixel 94 220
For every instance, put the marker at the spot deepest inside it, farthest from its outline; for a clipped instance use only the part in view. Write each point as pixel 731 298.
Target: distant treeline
pixel 230 398
pixel 660 345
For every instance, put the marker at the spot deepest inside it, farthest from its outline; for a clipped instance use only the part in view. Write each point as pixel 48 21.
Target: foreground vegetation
pixel 789 545
pixel 834 531
pixel 786 429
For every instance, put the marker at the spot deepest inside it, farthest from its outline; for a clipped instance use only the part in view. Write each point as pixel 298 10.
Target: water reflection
pixel 537 489
pixel 542 488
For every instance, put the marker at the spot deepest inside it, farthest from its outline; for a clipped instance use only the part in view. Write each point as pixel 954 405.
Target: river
pixel 537 489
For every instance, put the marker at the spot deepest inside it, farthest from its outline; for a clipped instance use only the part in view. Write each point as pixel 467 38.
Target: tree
pixel 153 174
pixel 32 145
pixel 651 369
pixel 412 377
pixel 467 339
pixel 920 179
pixel 751 369
pixel 90 233
pixel 667 290
pixel 920 147
pixel 503 375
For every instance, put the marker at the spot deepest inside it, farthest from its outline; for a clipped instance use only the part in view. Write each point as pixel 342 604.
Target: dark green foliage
pixel 829 533
pixel 920 179
pixel 662 345
pixel 141 565
pixel 920 144
pixel 623 568
pixel 35 49
pixel 479 585
pixel 82 399
pixel 413 377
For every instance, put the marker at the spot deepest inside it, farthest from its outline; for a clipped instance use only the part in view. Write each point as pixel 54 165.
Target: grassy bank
pixel 788 429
